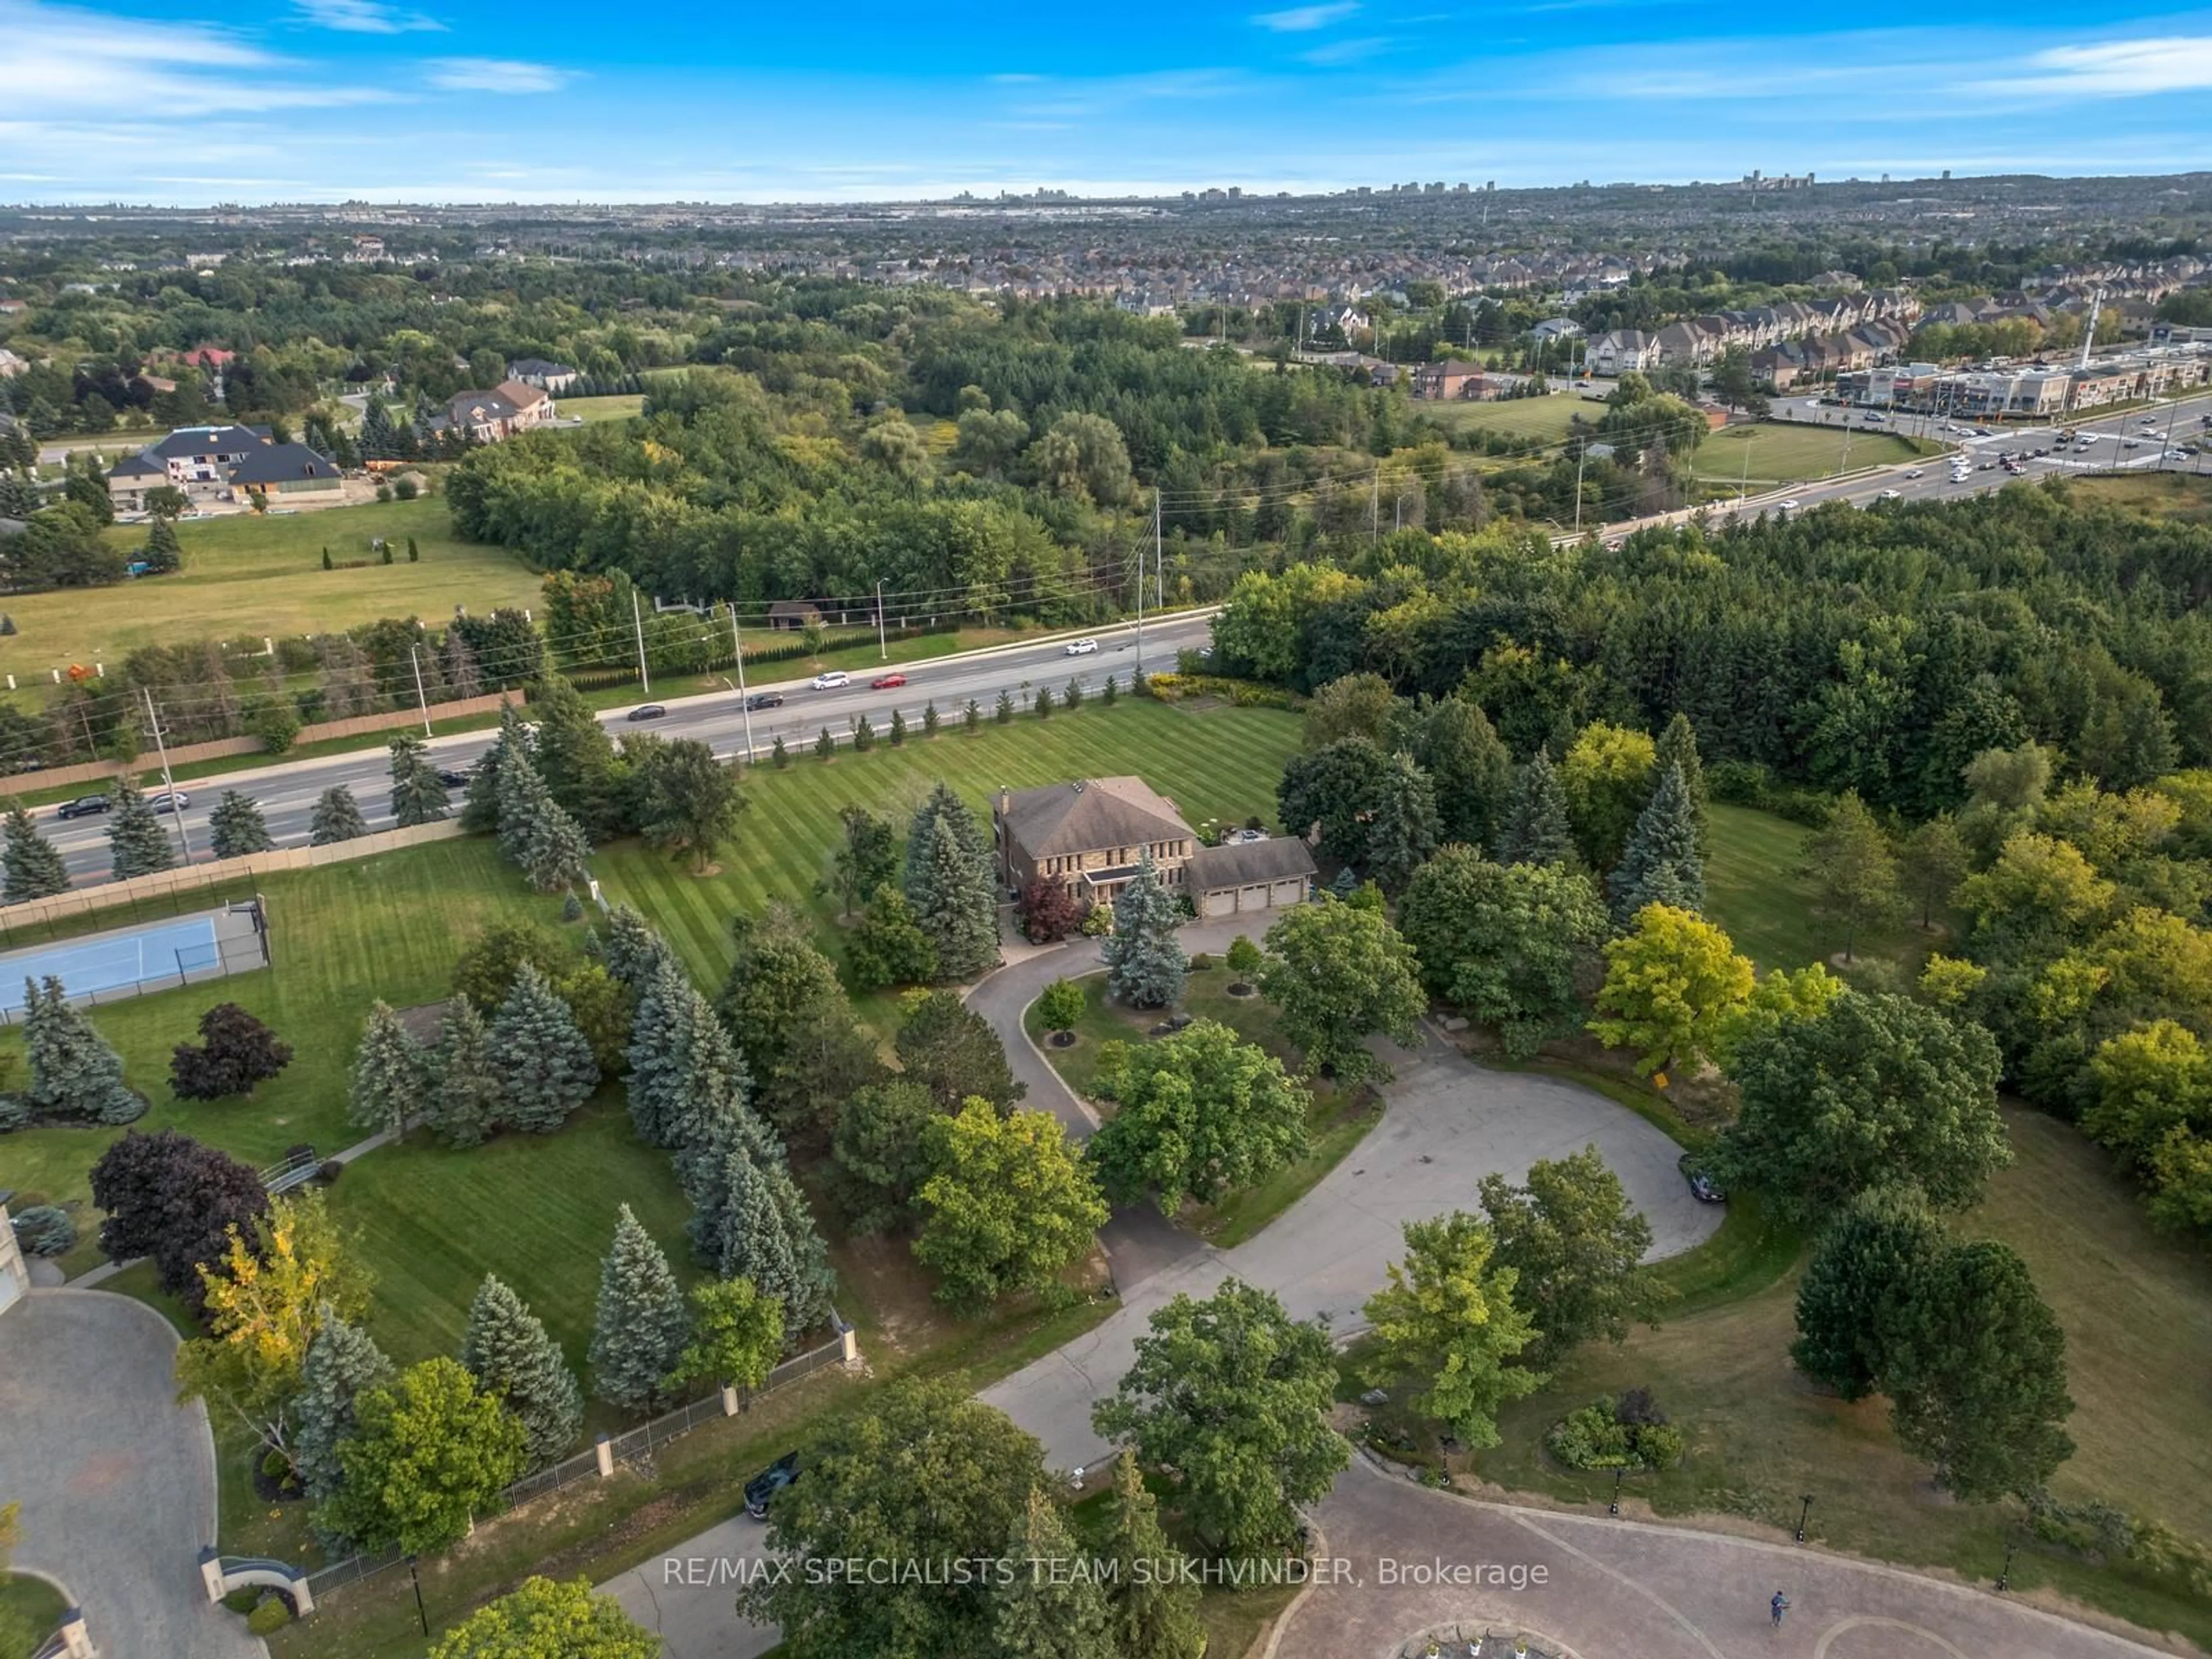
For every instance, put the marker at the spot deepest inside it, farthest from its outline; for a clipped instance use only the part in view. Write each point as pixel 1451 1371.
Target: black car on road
pixel 453 779
pixel 84 806
pixel 1702 1187
pixel 765 700
pixel 646 711
pixel 768 1482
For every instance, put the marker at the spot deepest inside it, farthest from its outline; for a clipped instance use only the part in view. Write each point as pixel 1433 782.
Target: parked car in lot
pixel 886 682
pixel 646 711
pixel 168 801
pixel 830 679
pixel 84 806
pixel 768 1482
pixel 1081 648
pixel 1703 1187
pixel 765 700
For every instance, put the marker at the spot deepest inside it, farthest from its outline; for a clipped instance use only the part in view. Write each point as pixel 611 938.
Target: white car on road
pixel 1082 648
pixel 1788 505
pixel 1891 495
pixel 830 679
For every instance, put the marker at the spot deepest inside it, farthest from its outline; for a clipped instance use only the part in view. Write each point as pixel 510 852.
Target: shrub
pixel 1629 1433
pixel 43 1229
pixel 1202 963
pixel 1098 920
pixel 237 1052
pixel 271 1615
pixel 1243 956
pixel 1060 1005
pixel 329 1170
pixel 405 489
pixel 14 1113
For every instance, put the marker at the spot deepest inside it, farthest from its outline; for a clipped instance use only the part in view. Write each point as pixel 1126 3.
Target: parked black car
pixel 765 700
pixel 84 806
pixel 646 711
pixel 1702 1185
pixel 768 1482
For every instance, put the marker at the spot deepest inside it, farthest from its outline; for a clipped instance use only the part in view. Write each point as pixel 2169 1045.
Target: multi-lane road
pixel 287 791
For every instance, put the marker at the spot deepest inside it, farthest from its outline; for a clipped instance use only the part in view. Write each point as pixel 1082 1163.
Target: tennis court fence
pixel 130 962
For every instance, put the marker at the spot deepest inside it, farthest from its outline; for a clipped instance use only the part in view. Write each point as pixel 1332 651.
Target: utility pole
pixel 738 646
pixel 1375 508
pixel 1141 583
pixel 1582 453
pixel 637 621
pixel 168 783
pixel 415 656
pixel 883 647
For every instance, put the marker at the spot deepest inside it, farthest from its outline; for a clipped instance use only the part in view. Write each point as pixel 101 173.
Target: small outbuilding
pixel 1240 876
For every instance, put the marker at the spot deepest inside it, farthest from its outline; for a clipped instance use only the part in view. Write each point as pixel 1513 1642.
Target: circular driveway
pixel 117 1480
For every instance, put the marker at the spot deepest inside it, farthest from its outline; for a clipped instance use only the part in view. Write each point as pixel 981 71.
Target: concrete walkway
pixel 1625 1589
pixel 117 1480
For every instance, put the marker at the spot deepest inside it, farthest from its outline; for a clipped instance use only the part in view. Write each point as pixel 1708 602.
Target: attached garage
pixel 1249 876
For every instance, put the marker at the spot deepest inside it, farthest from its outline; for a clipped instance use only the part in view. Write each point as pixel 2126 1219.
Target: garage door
pixel 1252 898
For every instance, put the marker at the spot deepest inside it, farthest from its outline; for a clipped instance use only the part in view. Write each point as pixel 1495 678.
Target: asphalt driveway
pixel 117 1480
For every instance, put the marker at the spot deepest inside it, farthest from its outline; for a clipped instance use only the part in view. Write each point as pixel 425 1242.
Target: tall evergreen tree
pixel 685 1076
pixel 1536 830
pixel 480 807
pixel 417 796
pixel 74 1075
pixel 575 758
pixel 1150 1614
pixel 137 845
pixel 949 882
pixel 748 1219
pixel 550 845
pixel 632 950
pixel 391 1078
pixel 237 827
pixel 1145 963
pixel 342 1362
pixel 511 1357
pixel 1401 827
pixel 640 1328
pixel 1677 747
pixel 1045 1611
pixel 543 1059
pixel 461 1104
pixel 1661 864
pixel 32 865
pixel 164 553
pixel 336 817
pixel 1470 767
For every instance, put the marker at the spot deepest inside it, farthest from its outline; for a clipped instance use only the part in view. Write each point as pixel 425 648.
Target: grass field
pixel 2184 496
pixel 1214 763
pixel 245 577
pixel 30 1602
pixel 1776 454
pixel 1756 888
pixel 1543 419
pixel 342 936
pixel 619 407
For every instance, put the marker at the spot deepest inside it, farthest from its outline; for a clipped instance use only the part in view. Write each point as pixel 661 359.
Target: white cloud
pixel 2114 69
pixel 505 74
pixel 1347 52
pixel 1299 19
pixel 63 62
pixel 364 16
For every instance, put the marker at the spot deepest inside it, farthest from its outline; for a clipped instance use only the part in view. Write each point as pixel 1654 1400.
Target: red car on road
pixel 886 682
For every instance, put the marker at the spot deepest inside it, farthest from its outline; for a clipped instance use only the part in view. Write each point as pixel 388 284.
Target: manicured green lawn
pixel 1215 762
pixel 2138 1312
pixel 619 407
pixel 32 1602
pixel 341 937
pixel 245 577
pixel 1787 453
pixel 1756 888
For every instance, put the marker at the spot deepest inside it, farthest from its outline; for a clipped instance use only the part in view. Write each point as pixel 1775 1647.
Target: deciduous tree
pixel 545 1619
pixel 1870 1268
pixel 1853 873
pixel 1607 777
pixel 1576 1248
pixel 1010 1204
pixel 1339 974
pixel 1197 1115
pixel 1448 1317
pixel 866 857
pixel 1674 984
pixel 430 1453
pixel 881 1151
pixel 235 1053
pixel 951 1050
pixel 737 1334
pixel 682 801
pixel 166 1196
pixel 1514 945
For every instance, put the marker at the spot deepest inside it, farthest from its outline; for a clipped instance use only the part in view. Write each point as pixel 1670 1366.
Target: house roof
pixel 283 464
pixel 141 465
pixel 205 440
pixel 1246 863
pixel 539 365
pixel 1090 813
pixel 794 608
pixel 520 393
pixel 472 408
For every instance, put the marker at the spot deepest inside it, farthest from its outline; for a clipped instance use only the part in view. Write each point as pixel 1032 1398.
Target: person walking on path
pixel 1777 1607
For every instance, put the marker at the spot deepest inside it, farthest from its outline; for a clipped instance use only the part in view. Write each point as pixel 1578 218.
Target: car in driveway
pixel 886 682
pixel 768 1482
pixel 1702 1187
pixel 1081 648
pixel 830 679
pixel 765 700
pixel 84 806
pixel 169 801
pixel 647 711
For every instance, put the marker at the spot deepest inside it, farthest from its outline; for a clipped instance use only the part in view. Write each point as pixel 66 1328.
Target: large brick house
pixel 1092 834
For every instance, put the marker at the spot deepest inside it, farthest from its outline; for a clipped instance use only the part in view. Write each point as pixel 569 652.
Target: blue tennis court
pixel 114 961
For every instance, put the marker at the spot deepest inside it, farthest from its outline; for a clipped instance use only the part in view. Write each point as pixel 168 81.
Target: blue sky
pixel 189 100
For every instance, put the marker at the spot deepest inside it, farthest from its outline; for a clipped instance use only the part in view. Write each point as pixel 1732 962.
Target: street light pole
pixel 416 1579
pixel 637 621
pixel 2004 1573
pixel 745 703
pixel 882 647
pixel 168 783
pixel 415 656
pixel 1613 1507
pixel 1805 1508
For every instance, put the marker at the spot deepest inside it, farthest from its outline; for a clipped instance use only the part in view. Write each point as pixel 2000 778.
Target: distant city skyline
pixel 185 103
